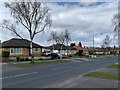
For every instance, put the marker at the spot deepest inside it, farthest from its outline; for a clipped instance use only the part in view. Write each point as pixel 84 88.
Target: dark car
pixel 55 56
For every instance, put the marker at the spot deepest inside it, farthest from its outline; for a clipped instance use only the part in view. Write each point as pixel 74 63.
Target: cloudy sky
pixel 81 19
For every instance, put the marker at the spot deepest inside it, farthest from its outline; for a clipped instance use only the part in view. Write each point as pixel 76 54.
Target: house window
pixel 15 50
pixel 36 49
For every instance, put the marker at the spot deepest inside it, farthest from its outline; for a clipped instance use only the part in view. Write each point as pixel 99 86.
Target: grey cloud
pixel 82 22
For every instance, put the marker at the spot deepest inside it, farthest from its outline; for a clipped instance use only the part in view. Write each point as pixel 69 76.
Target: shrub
pixel 5 54
pixel 79 53
pixel 18 58
pixel 22 59
pixel 90 53
pixel 26 59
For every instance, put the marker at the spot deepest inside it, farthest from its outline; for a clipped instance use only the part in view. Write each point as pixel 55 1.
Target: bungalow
pixel 56 48
pixel 70 49
pixel 20 47
pixel 85 50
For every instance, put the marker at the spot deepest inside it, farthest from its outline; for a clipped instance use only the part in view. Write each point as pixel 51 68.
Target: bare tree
pixel 53 38
pixel 61 40
pixel 11 27
pixel 116 23
pixel 58 39
pixel 34 16
pixel 67 38
pixel 106 41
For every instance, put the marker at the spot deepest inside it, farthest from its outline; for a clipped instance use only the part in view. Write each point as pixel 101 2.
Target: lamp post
pixel 94 40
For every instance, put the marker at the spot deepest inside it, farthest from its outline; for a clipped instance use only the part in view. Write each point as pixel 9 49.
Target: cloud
pixel 84 22
pixel 81 21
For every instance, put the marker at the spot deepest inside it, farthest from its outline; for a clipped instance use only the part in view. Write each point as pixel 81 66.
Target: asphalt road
pixel 42 76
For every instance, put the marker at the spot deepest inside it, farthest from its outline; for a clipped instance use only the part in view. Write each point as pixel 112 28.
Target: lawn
pixel 23 65
pixel 114 66
pixel 103 75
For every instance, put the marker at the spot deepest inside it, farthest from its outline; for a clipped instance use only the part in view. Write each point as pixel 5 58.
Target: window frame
pixel 38 49
pixel 16 51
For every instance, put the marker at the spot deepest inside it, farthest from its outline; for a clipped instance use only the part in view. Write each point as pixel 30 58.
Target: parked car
pixel 55 56
pixel 47 53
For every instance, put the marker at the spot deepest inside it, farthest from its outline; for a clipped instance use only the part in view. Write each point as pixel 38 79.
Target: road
pixel 42 76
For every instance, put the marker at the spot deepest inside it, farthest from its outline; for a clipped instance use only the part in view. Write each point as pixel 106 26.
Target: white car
pixel 47 53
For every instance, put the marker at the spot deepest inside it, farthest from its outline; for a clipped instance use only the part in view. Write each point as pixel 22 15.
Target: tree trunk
pixel 31 51
pixel 30 47
pixel 61 51
pixel 67 48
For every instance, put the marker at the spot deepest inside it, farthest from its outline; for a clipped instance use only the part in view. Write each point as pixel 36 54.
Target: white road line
pixel 19 75
pixel 61 67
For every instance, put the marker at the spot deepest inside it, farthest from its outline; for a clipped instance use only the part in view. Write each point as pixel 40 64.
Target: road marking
pixel 19 75
pixel 61 67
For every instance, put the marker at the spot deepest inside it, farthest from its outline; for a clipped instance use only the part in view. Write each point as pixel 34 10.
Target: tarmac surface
pixel 67 75
pixel 90 82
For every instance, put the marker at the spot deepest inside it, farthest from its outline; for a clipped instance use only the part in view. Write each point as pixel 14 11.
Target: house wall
pixel 69 52
pixel 25 52
pixel 5 49
pixel 38 53
pixel 99 52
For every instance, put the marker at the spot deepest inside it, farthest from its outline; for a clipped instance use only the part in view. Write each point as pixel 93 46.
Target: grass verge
pixel 23 65
pixel 104 75
pixel 114 66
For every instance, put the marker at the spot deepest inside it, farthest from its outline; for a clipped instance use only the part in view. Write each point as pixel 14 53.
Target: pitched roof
pixel 79 48
pixel 16 43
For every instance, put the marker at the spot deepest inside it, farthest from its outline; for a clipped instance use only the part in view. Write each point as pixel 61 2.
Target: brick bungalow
pixel 57 48
pixel 71 49
pixel 21 47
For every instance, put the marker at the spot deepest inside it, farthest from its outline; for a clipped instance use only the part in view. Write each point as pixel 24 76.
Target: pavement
pixel 85 82
pixel 44 76
pixel 82 81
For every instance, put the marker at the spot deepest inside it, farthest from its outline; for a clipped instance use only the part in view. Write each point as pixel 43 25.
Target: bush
pixel 26 59
pixel 22 59
pixel 90 53
pixel 18 58
pixel 5 54
pixel 80 53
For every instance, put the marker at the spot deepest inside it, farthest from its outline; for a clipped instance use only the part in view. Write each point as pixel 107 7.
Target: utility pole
pixel 94 41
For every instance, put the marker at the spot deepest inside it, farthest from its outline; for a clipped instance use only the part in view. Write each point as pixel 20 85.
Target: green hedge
pixel 5 53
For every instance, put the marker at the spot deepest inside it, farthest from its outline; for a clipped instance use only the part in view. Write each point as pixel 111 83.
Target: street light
pixel 94 40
